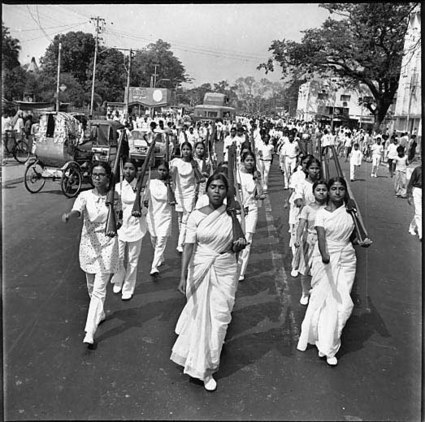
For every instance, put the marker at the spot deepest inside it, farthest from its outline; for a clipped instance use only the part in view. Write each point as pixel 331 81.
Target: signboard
pixel 149 97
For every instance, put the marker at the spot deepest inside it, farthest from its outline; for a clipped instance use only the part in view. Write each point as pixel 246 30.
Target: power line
pixel 198 50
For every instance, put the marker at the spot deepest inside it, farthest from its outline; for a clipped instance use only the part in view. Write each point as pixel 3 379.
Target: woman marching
pixel 307 237
pixel 159 216
pixel 130 235
pixel 182 172
pixel 209 280
pixel 303 195
pixel 98 251
pixel 249 202
pixel 205 166
pixel 333 272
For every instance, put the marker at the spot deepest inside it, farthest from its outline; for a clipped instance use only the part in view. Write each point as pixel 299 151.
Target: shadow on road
pixel 360 328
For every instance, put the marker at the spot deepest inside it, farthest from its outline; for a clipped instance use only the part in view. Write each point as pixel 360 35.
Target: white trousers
pixel 127 273
pixel 96 286
pixel 266 170
pixel 244 255
pixel 182 220
pixel 353 169
pixel 416 222
pixel 159 243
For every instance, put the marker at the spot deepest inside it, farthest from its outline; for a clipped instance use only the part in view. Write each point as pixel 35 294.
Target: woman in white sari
pixel 333 272
pixel 209 280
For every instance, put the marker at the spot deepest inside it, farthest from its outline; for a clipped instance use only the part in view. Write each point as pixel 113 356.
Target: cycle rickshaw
pixel 64 150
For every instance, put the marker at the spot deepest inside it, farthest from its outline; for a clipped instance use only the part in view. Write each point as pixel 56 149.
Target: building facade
pixel 327 102
pixel 408 106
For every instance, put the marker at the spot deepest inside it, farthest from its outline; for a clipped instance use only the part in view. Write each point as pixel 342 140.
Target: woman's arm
pixel 321 239
pixel 300 231
pixel 73 213
pixel 187 255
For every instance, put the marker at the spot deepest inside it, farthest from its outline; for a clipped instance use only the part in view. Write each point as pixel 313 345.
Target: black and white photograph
pixel 212 211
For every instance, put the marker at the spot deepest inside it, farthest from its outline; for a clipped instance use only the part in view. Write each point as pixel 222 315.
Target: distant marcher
pixel 355 161
pixel 414 197
pixel 401 163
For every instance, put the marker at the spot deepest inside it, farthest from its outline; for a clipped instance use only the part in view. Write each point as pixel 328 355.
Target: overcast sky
pixel 214 42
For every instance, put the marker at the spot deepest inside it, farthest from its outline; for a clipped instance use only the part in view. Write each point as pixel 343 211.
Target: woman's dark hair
pixel 165 164
pixel 130 160
pixel 319 182
pixel 199 143
pixel 247 154
pixel 341 180
pixel 106 166
pixel 218 176
pixel 313 160
pixel 186 144
pixel 103 164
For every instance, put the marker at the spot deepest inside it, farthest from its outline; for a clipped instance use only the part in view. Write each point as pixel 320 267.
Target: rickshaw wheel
pixel 33 177
pixel 71 181
pixel 21 152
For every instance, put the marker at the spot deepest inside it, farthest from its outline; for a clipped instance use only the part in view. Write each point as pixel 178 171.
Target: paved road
pixel 49 374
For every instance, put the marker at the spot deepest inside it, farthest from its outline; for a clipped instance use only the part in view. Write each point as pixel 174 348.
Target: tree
pixel 111 75
pixel 364 46
pixel 11 73
pixel 76 56
pixel 168 66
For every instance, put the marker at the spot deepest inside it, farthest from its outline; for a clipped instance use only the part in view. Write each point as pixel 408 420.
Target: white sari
pixel 330 304
pixel 210 291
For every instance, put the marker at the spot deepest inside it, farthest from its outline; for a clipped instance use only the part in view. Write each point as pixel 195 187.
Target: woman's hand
pixel 182 286
pixel 410 200
pixel 239 244
pixel 325 259
pixel 111 233
pixel 298 202
pixel 365 243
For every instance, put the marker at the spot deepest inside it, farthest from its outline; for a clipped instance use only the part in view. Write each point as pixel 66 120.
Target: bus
pixel 215 106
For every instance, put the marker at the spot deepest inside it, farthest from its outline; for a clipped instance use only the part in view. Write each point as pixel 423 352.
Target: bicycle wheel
pixel 33 178
pixel 21 152
pixel 71 180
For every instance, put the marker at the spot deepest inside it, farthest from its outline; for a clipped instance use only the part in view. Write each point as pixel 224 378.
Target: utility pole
pixel 127 97
pixel 155 75
pixel 58 78
pixel 99 26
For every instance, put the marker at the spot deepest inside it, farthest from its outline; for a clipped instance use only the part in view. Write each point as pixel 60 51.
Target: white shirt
pixel 356 157
pixel 228 141
pixel 267 152
pixel 392 151
pixel 290 149
pixel 133 228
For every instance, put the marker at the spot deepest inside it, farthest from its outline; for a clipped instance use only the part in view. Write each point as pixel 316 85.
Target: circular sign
pixel 157 95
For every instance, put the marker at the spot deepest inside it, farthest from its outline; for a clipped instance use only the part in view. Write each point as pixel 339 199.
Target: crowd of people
pixel 213 259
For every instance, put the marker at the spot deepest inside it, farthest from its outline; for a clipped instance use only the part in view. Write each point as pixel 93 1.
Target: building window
pixel 345 98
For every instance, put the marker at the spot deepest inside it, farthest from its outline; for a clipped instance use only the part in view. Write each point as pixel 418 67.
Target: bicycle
pixel 17 147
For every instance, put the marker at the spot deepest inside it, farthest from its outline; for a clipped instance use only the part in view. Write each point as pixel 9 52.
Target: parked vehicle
pixel 138 143
pixel 64 151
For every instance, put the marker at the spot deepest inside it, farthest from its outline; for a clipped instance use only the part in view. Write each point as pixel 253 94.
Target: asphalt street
pixel 50 375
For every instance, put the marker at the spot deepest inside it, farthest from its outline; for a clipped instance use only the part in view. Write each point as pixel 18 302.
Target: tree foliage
pixel 169 67
pixel 10 49
pixel 363 46
pixel 76 55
